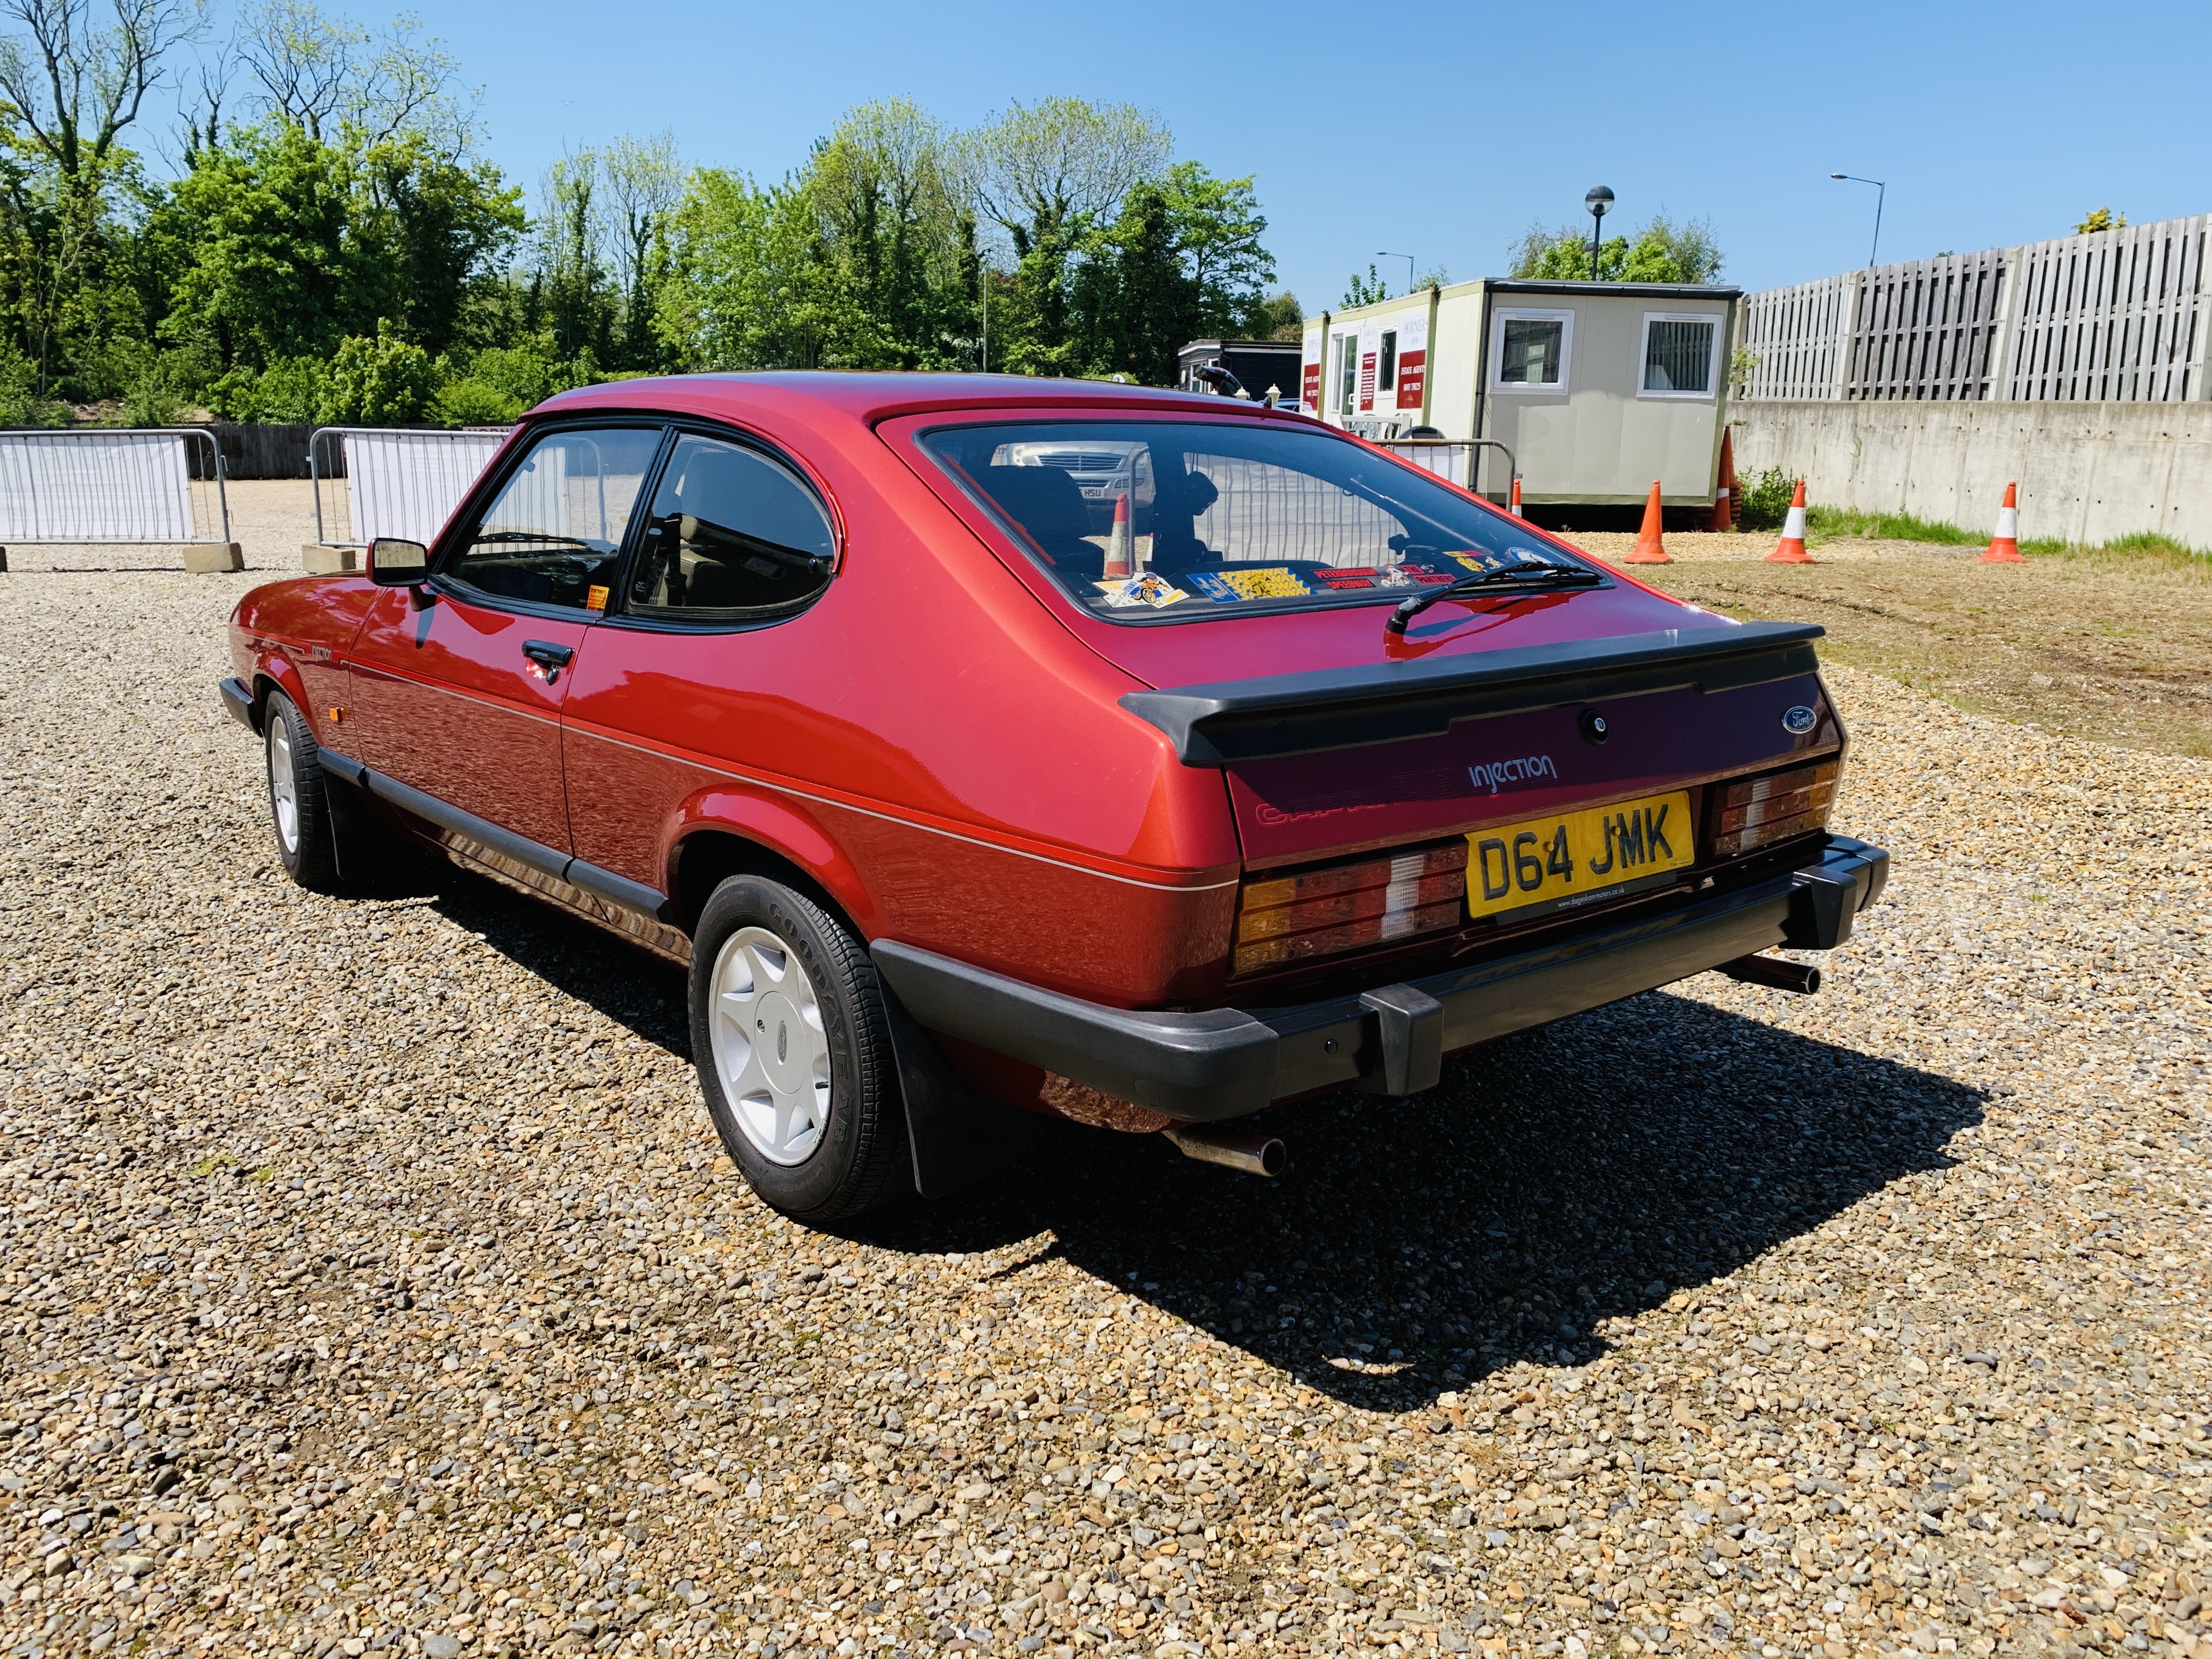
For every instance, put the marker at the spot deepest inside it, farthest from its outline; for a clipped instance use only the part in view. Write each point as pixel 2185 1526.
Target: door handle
pixel 549 656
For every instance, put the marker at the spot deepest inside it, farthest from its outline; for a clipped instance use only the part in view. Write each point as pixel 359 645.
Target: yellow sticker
pixel 1273 582
pixel 595 598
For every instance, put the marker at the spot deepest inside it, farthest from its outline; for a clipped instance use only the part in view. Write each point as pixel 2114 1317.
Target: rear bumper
pixel 1226 1062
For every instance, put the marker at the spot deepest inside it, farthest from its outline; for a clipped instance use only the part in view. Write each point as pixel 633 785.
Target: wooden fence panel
pixel 2119 316
pixel 1800 339
pixel 1927 330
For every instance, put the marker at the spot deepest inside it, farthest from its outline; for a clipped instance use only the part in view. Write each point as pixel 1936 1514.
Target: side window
pixel 1678 356
pixel 731 535
pixel 1531 351
pixel 552 534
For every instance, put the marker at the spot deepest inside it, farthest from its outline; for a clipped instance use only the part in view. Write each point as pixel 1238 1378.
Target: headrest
pixel 1191 493
pixel 1044 499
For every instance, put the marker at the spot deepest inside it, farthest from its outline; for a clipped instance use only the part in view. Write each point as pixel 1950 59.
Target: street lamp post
pixel 1881 193
pixel 1599 200
pixel 1408 259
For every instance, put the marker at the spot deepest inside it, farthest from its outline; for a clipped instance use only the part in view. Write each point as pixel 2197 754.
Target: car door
pixel 693 656
pixel 459 684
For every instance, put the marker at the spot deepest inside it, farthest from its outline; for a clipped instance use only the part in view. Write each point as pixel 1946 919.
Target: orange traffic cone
pixel 1517 496
pixel 1649 549
pixel 1790 550
pixel 2005 546
pixel 1725 494
pixel 1118 544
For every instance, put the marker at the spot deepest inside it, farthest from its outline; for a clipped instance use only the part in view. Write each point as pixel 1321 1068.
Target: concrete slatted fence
pixel 2114 316
pixel 1927 328
pixel 2123 316
pixel 1800 340
pixel 108 486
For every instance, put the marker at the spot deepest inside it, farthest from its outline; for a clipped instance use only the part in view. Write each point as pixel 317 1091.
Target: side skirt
pixel 669 943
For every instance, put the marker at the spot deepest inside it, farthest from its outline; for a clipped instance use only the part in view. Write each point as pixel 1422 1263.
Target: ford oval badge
pixel 1799 720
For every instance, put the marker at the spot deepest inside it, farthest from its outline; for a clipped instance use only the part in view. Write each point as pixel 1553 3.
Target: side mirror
pixel 396 563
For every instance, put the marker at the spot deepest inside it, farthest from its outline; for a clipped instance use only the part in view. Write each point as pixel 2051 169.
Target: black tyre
pixel 299 805
pixel 794 1053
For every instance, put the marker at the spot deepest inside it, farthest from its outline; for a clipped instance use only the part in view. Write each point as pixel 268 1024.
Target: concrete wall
pixel 2086 472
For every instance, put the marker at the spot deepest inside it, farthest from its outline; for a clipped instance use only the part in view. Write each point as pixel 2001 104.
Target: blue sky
pixel 1441 130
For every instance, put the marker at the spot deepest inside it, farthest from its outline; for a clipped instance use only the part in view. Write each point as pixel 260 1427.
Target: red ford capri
pixel 992 747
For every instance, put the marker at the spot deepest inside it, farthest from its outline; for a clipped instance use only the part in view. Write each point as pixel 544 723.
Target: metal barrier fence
pixel 1457 459
pixel 395 482
pixel 109 484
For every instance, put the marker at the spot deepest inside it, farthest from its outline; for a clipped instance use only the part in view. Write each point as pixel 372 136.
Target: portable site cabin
pixel 1596 388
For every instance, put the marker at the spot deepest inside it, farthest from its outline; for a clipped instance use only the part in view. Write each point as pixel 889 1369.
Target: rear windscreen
pixel 1137 519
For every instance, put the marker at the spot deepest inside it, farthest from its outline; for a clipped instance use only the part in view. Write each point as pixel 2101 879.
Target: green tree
pixel 377 380
pixel 746 287
pixel 1662 251
pixel 1372 291
pixel 2099 219
pixel 897 237
pixel 644 182
pixel 1039 168
pixel 1180 261
pixel 279 270
pixel 1216 226
pixel 1276 317
pixel 69 90
pixel 571 295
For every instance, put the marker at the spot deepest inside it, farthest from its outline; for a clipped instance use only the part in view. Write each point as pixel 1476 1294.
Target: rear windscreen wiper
pixel 1533 576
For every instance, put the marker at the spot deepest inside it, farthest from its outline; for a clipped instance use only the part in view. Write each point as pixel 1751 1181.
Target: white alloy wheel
pixel 283 783
pixel 770 1052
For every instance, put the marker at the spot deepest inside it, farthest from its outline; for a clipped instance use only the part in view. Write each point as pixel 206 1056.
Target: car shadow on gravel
pixel 1554 1182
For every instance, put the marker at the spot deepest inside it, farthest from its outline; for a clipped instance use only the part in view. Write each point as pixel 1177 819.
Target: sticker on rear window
pixel 1151 588
pixel 1212 586
pixel 1269 582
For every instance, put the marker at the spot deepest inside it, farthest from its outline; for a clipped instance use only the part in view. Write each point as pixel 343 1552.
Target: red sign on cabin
pixel 1310 386
pixel 1366 381
pixel 1412 367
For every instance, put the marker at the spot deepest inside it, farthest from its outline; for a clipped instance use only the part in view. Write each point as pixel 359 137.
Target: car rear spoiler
pixel 1381 702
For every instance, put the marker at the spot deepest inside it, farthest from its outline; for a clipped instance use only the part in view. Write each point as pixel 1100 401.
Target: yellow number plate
pixel 1577 854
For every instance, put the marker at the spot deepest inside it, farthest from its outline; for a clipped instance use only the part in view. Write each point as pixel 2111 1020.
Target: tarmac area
pixel 371 1280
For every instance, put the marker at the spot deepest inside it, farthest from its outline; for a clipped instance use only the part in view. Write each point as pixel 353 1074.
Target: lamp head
pixel 1599 199
pixel 1839 175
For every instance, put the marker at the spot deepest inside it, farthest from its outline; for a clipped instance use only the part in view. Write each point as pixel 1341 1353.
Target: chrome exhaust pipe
pixel 1782 974
pixel 1233 1149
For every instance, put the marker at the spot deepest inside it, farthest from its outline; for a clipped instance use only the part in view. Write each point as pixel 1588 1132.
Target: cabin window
pixel 1678 356
pixel 1531 350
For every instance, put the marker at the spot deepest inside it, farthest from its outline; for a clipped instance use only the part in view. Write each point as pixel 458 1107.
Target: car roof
pixel 870 397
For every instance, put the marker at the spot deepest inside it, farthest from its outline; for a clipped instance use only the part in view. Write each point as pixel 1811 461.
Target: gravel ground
pixel 373 1282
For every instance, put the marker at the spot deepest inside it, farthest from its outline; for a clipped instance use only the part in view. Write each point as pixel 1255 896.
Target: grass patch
pixel 2142 543
pixel 1826 521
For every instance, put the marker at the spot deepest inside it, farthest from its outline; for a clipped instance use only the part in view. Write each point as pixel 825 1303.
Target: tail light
pixel 1759 811
pixel 1320 912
